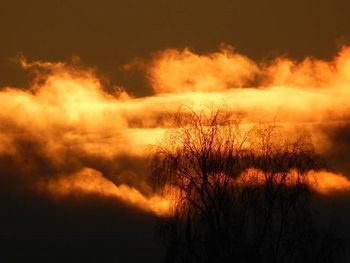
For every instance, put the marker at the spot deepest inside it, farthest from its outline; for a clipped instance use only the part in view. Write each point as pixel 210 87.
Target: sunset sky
pixel 87 87
pixel 108 34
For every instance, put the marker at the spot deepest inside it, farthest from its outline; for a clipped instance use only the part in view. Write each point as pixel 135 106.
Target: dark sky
pixel 105 34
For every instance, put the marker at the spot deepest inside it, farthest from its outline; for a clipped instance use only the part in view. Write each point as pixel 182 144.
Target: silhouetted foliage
pixel 242 193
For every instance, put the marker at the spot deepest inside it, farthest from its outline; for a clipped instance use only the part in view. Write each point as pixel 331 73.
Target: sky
pixel 108 34
pixel 86 87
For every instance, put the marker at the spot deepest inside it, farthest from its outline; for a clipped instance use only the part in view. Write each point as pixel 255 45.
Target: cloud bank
pixel 66 134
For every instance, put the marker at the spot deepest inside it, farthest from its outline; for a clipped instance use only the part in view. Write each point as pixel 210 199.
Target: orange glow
pixel 327 182
pixel 92 181
pixel 67 110
pixel 320 181
pixel 183 71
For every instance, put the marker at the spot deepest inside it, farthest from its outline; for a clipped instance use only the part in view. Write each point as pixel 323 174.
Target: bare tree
pixel 242 194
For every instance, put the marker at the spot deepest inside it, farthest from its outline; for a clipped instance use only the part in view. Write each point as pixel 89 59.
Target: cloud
pixel 338 148
pixel 178 71
pixel 65 127
pixel 183 71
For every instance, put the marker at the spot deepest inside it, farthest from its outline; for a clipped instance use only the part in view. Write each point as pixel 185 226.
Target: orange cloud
pixel 91 181
pixel 323 182
pixel 80 128
pixel 328 182
pixel 183 71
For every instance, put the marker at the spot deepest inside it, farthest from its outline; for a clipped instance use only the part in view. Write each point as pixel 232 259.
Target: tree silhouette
pixel 241 194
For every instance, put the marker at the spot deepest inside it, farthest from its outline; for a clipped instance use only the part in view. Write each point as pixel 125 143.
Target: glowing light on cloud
pixel 323 182
pixel 327 182
pixel 183 71
pixel 78 125
pixel 92 181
